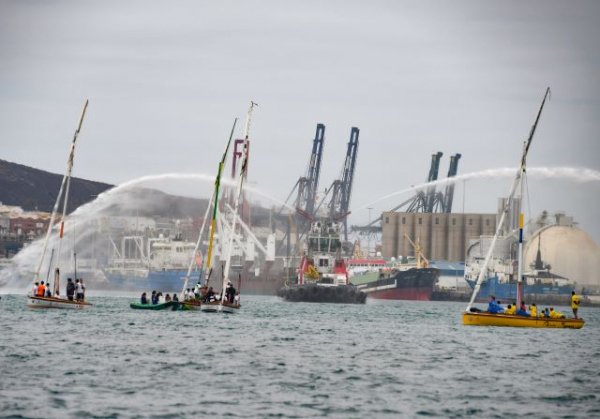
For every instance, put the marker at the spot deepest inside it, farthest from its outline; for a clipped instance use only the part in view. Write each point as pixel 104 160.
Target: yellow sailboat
pixel 475 317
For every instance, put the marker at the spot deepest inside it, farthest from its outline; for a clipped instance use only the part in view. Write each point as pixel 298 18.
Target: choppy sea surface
pixel 290 360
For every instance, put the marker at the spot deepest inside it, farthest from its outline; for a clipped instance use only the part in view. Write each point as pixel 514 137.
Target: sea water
pixel 291 360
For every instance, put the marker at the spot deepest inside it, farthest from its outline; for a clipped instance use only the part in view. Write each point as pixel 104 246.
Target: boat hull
pixel 54 302
pixel 411 284
pixel 217 307
pixel 313 293
pixel 507 320
pixel 192 305
pixel 170 305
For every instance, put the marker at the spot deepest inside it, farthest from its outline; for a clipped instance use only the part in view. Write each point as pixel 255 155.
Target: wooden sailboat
pixel 55 301
pixel 476 317
pixel 222 305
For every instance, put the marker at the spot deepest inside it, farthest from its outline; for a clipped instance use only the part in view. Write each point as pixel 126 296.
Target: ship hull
pixel 508 290
pixel 507 320
pixel 411 284
pixel 164 281
pixel 313 293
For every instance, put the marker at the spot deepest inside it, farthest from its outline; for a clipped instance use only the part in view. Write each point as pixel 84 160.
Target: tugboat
pixel 322 274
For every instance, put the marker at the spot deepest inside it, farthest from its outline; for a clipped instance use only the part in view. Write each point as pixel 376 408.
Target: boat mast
pixel 243 173
pixel 517 182
pixel 213 222
pixel 60 193
pixel 66 198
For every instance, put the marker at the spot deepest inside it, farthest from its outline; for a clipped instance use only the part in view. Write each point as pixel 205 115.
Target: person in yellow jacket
pixel 511 309
pixel 533 310
pixel 556 314
pixel 575 303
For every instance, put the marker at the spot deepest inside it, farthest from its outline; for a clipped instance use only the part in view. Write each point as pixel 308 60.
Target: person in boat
pixel 522 311
pixel 48 291
pixel 82 289
pixel 34 289
pixel 41 290
pixel 494 307
pixel 197 293
pixel 556 314
pixel 175 298
pixel 229 292
pixel 161 298
pixel 144 298
pixel 510 309
pixel 574 304
pixel 79 296
pixel 236 299
pixel 167 298
pixel 210 295
pixel 70 289
pixel 533 310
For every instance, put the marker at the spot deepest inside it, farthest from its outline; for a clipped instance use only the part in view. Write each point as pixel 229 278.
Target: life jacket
pixel 575 301
pixel 511 310
pixel 41 290
pixel 533 311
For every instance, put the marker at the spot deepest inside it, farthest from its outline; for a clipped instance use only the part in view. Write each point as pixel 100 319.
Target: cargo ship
pixel 159 265
pixel 501 279
pixel 412 280
pixel 408 283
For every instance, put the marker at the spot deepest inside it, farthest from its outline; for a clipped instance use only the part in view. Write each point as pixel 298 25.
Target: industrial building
pixel 442 236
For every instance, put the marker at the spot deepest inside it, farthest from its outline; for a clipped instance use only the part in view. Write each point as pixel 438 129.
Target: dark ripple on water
pixel 278 359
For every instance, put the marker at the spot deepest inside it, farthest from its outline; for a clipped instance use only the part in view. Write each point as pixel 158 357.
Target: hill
pixel 34 189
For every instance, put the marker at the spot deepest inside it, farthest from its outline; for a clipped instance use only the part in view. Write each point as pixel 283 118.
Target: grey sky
pixel 165 80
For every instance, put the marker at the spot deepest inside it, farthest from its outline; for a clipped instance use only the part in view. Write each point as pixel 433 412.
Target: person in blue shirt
pixel 494 307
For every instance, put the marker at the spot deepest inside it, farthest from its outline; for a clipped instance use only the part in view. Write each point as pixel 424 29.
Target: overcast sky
pixel 165 80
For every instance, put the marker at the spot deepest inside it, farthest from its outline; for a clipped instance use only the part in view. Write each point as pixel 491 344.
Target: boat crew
pixel 34 289
pixel 533 310
pixel 41 290
pixel 575 303
pixel 70 289
pixel 511 309
pixel 144 298
pixel 79 296
pixel 522 311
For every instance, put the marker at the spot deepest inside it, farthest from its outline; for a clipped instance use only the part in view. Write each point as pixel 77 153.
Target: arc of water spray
pixel 573 174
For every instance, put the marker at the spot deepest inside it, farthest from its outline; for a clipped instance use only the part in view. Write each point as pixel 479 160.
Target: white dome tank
pixel 570 251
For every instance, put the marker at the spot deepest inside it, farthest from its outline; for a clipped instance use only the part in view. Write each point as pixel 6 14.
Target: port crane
pixel 428 201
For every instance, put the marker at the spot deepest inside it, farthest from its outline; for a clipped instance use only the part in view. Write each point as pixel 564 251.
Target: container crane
pixel 339 206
